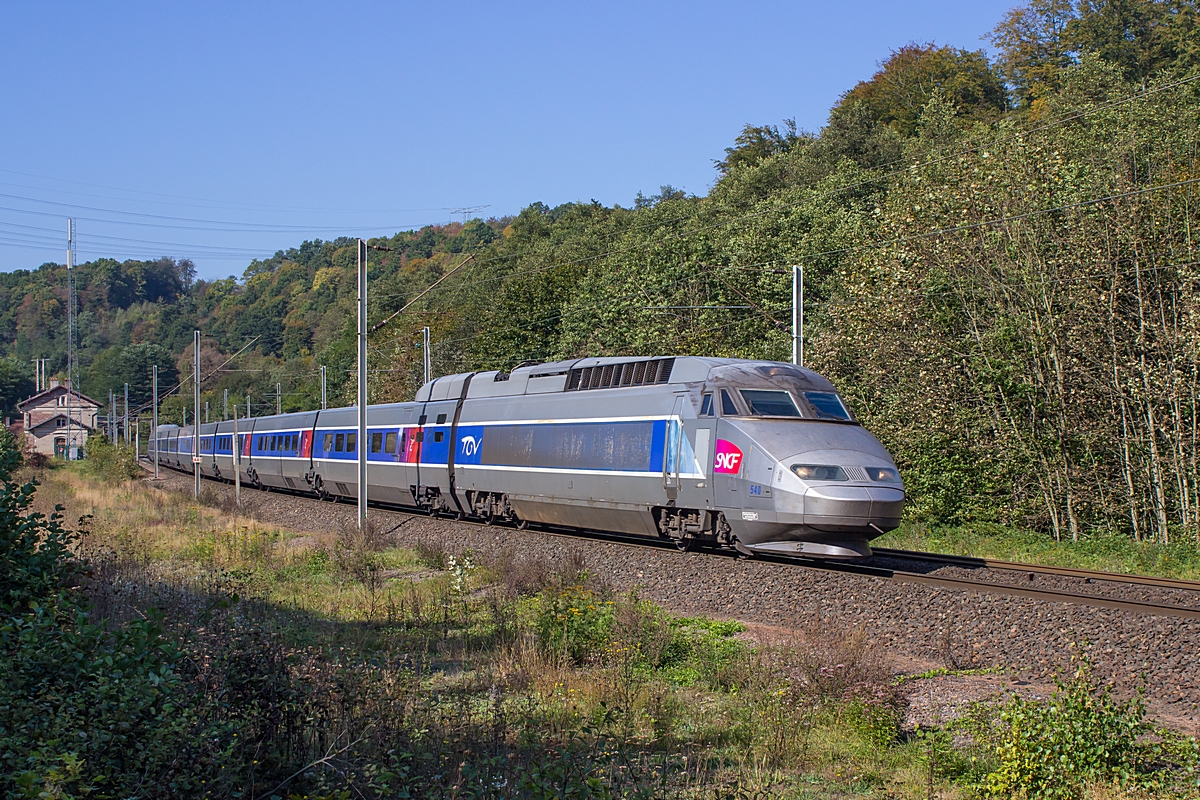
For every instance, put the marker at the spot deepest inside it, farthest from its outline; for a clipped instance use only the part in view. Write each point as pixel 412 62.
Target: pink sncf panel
pixel 728 458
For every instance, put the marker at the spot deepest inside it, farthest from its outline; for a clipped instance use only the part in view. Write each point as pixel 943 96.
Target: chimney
pixel 54 383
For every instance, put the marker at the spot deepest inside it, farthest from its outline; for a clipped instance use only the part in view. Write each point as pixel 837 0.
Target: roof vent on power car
pixel 613 376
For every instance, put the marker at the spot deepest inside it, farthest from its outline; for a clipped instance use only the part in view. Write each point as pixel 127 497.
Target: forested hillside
pixel 999 260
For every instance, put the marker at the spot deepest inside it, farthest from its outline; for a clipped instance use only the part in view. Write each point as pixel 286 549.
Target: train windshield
pixel 827 405
pixel 770 403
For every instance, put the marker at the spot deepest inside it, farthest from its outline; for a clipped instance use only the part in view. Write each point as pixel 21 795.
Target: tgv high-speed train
pixel 757 455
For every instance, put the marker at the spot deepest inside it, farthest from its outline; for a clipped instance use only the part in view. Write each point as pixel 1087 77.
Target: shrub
pixel 1081 736
pixel 573 622
pixel 112 462
pixel 35 551
pixel 84 709
pixel 11 457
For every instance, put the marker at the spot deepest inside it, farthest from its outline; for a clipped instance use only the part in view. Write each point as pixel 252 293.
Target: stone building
pixel 57 414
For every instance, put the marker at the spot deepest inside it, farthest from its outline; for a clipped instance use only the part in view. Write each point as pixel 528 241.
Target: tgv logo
pixel 729 457
pixel 470 445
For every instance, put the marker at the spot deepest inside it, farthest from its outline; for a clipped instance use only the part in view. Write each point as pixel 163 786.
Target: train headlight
pixel 883 474
pixel 819 472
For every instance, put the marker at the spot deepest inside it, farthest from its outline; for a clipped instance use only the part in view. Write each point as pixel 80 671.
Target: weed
pixel 339 666
pixel 430 554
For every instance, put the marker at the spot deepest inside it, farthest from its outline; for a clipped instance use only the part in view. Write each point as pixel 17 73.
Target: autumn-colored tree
pixel 1039 40
pixel 897 94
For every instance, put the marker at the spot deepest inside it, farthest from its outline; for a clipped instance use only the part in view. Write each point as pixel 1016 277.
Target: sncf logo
pixel 729 457
pixel 470 445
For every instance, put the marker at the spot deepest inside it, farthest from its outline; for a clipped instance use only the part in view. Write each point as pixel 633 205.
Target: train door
pixel 246 460
pixel 731 450
pixel 673 450
pixel 272 446
pixel 208 447
pixel 433 487
pixel 696 476
pixel 408 452
pixel 417 442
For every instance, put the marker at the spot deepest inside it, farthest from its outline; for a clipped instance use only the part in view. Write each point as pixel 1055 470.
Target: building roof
pixel 40 398
pixel 74 423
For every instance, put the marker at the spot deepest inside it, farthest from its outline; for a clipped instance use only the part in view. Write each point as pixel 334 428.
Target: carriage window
pixel 828 405
pixel 351 439
pixel 376 442
pixel 327 445
pixel 727 406
pixel 341 442
pixel 770 403
pixel 274 442
pixel 706 406
pixel 441 418
pixel 389 446
pixel 438 435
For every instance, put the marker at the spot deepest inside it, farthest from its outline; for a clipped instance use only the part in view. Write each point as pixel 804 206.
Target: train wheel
pixel 522 524
pixel 687 544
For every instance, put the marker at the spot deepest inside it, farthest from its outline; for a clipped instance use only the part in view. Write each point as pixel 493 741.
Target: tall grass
pixel 341 664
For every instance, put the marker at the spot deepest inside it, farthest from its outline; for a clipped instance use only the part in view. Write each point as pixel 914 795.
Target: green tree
pixel 15 385
pixel 133 365
pixel 1033 47
pixel 757 142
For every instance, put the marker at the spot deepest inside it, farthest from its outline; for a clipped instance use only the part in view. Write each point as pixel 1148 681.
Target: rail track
pixel 920 572
pixel 972 562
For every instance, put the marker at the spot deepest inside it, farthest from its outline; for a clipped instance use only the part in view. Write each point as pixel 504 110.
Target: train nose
pixel 834 508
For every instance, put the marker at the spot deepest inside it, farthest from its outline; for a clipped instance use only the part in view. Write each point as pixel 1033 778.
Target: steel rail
pixel 865 570
pixel 972 562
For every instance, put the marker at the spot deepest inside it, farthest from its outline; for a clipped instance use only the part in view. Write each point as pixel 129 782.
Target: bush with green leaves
pixel 85 709
pixel 1081 736
pixel 113 462
pixel 572 622
pixel 11 457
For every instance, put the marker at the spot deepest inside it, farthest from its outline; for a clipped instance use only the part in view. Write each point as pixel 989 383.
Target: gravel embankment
pixel 918 626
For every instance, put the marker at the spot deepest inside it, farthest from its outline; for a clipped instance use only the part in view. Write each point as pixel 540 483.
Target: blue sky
pixel 224 131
